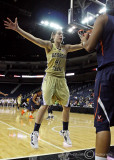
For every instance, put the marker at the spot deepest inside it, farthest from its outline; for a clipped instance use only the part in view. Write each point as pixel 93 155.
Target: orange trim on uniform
pixel 101 43
pixel 89 31
pixel 97 101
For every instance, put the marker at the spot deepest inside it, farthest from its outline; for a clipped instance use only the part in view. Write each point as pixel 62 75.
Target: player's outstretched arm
pixel 9 24
pixel 72 48
pixel 89 43
pixel 3 94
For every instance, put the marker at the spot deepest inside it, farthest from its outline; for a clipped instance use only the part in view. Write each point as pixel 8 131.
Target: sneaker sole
pixel 33 146
pixel 61 134
pixel 66 144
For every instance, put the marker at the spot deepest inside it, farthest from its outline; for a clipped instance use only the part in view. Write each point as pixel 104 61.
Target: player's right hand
pixel 38 104
pixel 11 25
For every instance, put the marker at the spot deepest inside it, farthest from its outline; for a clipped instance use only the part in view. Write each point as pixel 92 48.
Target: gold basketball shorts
pixel 55 89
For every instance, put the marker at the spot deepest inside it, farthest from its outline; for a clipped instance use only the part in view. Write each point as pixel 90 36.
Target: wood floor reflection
pixel 15 131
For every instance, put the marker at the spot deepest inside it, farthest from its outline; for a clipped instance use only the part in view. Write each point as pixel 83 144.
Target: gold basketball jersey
pixel 56 62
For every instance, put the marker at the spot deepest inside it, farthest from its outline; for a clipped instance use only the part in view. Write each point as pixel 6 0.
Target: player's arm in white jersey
pixel 3 94
pixel 72 48
pixel 34 99
pixel 14 26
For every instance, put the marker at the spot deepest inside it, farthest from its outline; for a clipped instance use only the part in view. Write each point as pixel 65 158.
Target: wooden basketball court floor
pixel 15 131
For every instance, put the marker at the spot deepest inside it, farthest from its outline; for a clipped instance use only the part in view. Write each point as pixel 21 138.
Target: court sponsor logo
pixel 89 154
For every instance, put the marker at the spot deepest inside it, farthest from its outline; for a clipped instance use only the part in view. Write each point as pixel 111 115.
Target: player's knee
pixel 66 108
pixel 44 107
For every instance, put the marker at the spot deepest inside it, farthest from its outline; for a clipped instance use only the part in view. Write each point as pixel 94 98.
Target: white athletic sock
pixel 30 113
pixel 100 158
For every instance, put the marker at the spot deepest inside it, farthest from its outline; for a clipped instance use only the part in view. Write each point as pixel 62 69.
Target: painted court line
pixel 54 128
pixel 29 135
pixel 32 156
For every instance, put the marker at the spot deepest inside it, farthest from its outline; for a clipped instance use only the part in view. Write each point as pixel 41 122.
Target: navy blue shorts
pixel 50 109
pixel 31 106
pixel 104 99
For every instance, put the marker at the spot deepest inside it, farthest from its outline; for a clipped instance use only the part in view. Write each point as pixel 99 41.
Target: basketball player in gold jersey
pixel 54 83
pixel 19 99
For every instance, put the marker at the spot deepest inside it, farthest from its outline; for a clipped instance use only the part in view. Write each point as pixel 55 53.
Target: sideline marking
pixel 30 134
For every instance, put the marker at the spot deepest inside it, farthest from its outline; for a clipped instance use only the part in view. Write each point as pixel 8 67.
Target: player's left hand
pixel 85 37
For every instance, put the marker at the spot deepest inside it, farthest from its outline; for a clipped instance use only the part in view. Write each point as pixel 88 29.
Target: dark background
pixel 19 56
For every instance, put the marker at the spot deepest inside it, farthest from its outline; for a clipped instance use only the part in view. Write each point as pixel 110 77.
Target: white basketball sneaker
pixel 34 139
pixel 65 134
